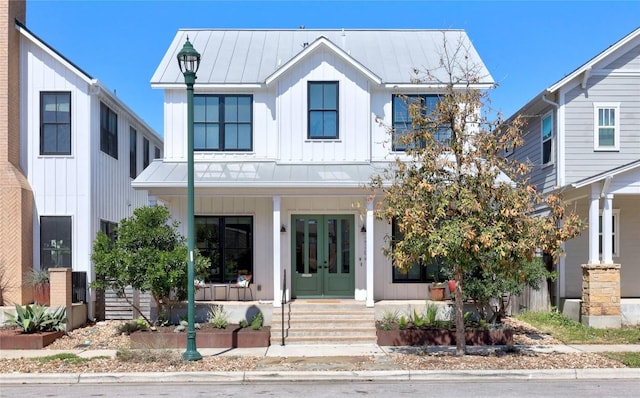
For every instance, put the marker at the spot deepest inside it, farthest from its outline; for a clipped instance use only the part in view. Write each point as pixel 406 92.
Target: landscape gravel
pixel 105 335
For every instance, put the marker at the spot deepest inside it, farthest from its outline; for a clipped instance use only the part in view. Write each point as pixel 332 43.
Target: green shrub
pixel 256 322
pixel 36 318
pixel 418 320
pixel 402 322
pixel 218 317
pixel 432 311
pixel 243 323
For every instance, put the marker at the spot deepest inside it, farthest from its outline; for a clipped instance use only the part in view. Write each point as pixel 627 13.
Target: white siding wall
pixel 87 185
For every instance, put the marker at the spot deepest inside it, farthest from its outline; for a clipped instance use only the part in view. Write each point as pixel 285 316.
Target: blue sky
pixel 526 45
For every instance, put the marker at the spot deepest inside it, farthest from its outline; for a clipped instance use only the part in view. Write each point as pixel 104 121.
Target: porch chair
pixel 243 282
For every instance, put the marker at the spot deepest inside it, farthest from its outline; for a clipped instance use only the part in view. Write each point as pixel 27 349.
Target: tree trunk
pixel 461 344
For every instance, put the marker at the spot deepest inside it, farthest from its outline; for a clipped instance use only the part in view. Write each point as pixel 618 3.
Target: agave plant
pixel 36 318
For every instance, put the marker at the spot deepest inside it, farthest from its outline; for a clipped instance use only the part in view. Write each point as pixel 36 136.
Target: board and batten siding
pixel 60 183
pixel 582 161
pixel 577 249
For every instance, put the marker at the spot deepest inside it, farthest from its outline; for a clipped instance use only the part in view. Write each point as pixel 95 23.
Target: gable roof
pixel 257 56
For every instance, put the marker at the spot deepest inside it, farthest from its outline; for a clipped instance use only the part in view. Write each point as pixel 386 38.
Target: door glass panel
pixel 313 247
pixel 332 238
pixel 346 246
pixel 300 245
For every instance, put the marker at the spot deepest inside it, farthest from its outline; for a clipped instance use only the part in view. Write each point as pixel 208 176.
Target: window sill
pixel 606 149
pixel 323 140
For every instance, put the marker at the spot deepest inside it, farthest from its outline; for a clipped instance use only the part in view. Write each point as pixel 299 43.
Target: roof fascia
pixel 608 174
pixel 197 86
pixel 439 86
pixel 322 41
pixel 585 68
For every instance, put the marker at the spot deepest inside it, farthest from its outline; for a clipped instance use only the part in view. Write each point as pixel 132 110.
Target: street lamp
pixel 189 61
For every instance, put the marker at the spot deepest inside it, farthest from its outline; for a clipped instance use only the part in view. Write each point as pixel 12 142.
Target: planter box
pixel 27 341
pixel 416 337
pixel 208 338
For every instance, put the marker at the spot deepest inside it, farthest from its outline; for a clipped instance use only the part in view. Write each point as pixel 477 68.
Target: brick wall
pixel 16 196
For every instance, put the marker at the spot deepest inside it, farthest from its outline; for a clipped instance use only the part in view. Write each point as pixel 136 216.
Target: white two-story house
pixel 80 148
pixel 583 139
pixel 286 138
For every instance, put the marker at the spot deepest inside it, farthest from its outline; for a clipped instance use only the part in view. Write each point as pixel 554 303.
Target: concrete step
pixel 293 340
pixel 349 331
pixel 315 323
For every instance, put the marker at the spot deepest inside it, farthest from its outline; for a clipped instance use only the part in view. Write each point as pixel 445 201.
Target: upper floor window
pixel 547 138
pixel 109 229
pixel 223 123
pixel 156 152
pixel 133 152
pixel 55 242
pixel 108 131
pixel 607 126
pixel 145 152
pixel 323 110
pixel 55 123
pixel 403 122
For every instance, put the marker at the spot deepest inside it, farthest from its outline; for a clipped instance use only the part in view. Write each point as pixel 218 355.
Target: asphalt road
pixel 474 388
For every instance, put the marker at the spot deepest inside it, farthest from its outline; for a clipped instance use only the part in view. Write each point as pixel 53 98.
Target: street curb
pixel 298 376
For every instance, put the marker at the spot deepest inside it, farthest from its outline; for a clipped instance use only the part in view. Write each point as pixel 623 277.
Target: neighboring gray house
pixel 583 139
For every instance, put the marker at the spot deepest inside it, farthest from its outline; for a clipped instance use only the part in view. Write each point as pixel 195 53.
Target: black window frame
pixel 60 253
pixel 145 152
pixel 133 152
pixel 109 229
pixel 426 272
pixel 223 122
pixel 156 152
pixel 323 110
pixel 108 131
pixel 443 134
pixel 57 123
pixel 221 257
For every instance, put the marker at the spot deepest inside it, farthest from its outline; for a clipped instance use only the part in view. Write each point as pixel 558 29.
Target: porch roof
pixel 267 174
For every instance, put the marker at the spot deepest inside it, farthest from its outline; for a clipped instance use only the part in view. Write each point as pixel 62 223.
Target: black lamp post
pixel 189 61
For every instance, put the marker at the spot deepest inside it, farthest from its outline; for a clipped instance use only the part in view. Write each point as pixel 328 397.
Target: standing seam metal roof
pixel 250 56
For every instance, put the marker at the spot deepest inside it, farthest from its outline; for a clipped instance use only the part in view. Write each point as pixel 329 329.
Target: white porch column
pixel 607 229
pixel 369 253
pixel 594 225
pixel 277 272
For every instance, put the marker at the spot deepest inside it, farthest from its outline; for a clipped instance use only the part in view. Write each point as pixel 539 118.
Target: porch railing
pixel 283 300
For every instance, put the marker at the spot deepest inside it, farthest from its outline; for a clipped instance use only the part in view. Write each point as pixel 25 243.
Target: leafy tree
pixel 149 254
pixel 461 199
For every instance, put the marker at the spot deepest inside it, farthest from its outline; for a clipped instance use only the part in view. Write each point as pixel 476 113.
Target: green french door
pixel 322 256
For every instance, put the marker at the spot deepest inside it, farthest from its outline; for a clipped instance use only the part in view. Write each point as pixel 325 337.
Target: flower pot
pixel 437 293
pixel 42 293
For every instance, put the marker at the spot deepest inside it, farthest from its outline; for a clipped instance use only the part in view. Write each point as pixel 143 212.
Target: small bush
pixel 132 326
pixel 243 323
pixel 256 322
pixel 418 320
pixel 218 317
pixel 147 356
pixel 432 311
pixel 36 318
pixel 402 322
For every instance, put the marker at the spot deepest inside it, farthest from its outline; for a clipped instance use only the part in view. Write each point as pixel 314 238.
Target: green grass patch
pixel 64 357
pixel 571 332
pixel 630 359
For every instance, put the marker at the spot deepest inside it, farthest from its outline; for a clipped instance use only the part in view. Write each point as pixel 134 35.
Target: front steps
pixel 324 322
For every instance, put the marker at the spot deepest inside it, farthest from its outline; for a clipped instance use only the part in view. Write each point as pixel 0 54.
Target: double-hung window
pixel 223 123
pixel 133 152
pixel 615 227
pixel 547 139
pixel 322 110
pixel 606 126
pixel 55 242
pixel 403 122
pixel 55 123
pixel 108 131
pixel 418 272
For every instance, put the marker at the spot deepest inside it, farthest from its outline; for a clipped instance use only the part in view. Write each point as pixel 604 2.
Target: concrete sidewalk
pixel 346 350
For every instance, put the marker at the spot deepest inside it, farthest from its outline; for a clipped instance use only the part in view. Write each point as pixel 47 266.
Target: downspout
pixel 561 265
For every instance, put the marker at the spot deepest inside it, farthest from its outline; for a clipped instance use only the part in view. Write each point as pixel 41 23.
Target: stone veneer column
pixel 61 285
pixel 16 196
pixel 601 295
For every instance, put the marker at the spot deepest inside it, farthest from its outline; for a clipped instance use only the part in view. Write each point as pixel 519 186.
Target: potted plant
pixel 41 288
pixel 437 289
